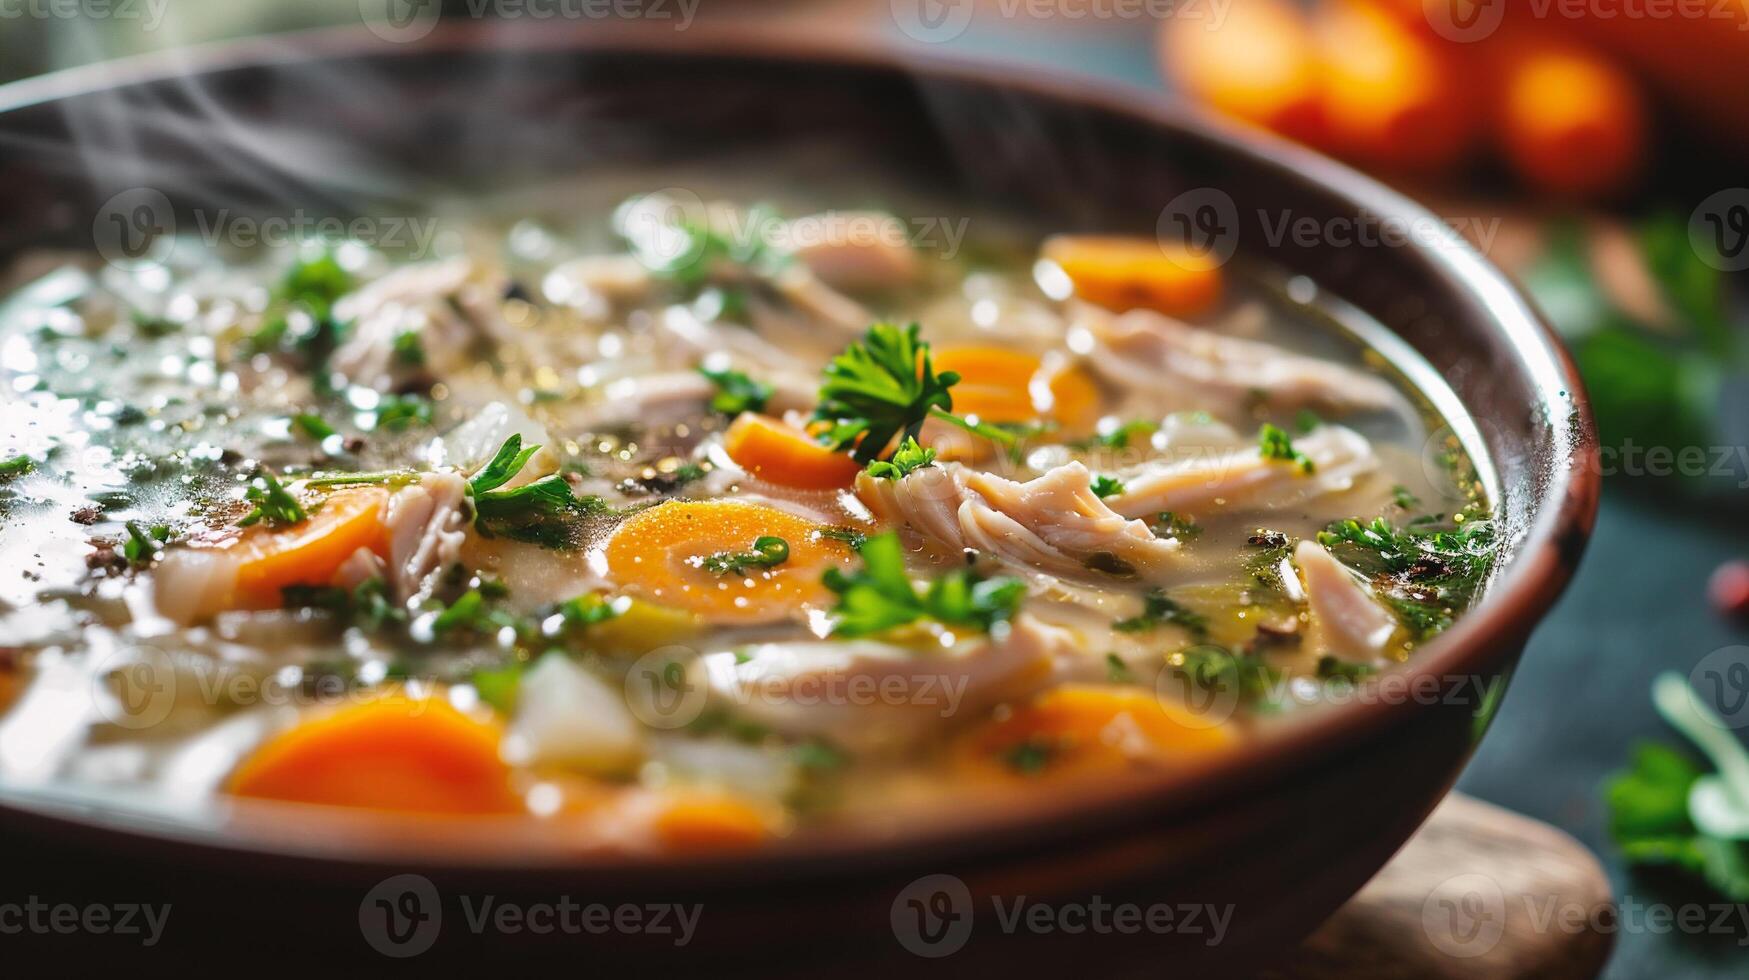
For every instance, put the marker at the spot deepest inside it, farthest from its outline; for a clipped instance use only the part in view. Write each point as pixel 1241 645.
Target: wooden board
pixel 1477 892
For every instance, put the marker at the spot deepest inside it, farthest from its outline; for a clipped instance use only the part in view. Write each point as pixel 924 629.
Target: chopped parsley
pixel 1335 668
pixel 1117 671
pixel 1403 498
pixel 1425 573
pixel 17 466
pixel 769 551
pixel 880 596
pixel 367 604
pixel 543 512
pixel 910 457
pixel 408 349
pixel 273 502
pixel 301 317
pixel 736 392
pixel 1305 420
pixel 1173 525
pixel 1122 436
pixel 885 385
pixel 1158 610
pixel 397 412
pixel 1107 486
pixel 142 544
pixel 311 426
pixel 1274 443
pixel 1213 668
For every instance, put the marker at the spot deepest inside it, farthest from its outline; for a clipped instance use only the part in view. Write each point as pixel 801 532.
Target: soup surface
pixel 696 526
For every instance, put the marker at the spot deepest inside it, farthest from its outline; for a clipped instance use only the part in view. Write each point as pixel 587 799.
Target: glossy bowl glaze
pixel 1275 840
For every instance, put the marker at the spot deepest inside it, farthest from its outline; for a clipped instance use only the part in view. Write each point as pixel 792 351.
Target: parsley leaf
pixel 1274 443
pixel 366 604
pixel 1172 525
pixel 17 466
pixel 737 392
pixel 142 545
pixel 1158 610
pixel 1107 486
pixel 543 512
pixel 1213 668
pixel 1425 573
pixel 312 426
pixel 273 502
pixel 881 596
pixel 769 551
pixel 908 458
pixel 881 386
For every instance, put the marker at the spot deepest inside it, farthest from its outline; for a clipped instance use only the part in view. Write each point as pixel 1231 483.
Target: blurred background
pixel 1594 148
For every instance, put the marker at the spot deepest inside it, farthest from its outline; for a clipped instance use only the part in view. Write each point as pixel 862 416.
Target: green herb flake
pixel 910 457
pixel 1274 444
pixel 1107 486
pixel 1158 610
pixel 736 392
pixel 769 551
pixel 273 502
pixel 880 596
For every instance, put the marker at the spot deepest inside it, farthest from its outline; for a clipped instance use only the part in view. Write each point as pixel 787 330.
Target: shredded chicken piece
pixel 426 531
pixel 1199 369
pixel 868 696
pixel 1053 524
pixel 1242 479
pixel 1351 620
pixel 854 249
pixel 450 305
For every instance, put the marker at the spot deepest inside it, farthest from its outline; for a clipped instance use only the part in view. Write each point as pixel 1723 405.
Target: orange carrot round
pixel 1001 385
pixel 1088 729
pixel 695 822
pixel 308 553
pixel 664 554
pixel 415 755
pixel 1136 273
pixel 778 453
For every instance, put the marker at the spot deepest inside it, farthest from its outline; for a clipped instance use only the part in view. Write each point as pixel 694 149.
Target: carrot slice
pixel 661 554
pixel 1001 385
pixel 1259 64
pixel 1083 729
pixel 773 451
pixel 309 553
pixel 1394 98
pixel 1137 273
pixel 692 822
pixel 397 753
